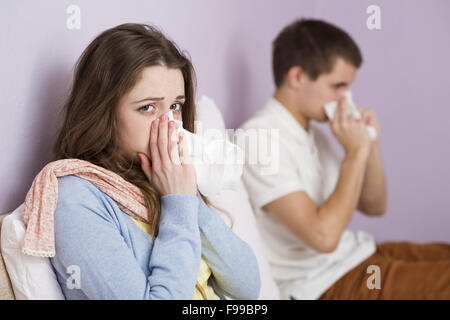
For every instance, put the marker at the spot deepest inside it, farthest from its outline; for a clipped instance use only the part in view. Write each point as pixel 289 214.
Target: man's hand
pixel 369 118
pixel 350 132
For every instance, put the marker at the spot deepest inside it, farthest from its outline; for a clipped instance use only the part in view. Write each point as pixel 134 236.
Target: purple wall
pixel 404 78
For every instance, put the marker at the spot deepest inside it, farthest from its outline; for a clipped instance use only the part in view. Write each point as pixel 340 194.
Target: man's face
pixel 326 88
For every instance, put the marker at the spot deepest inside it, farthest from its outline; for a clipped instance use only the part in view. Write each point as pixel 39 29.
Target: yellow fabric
pixel 203 274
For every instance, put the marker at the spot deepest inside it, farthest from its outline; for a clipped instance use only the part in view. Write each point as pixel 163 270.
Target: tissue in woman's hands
pixel 330 109
pixel 218 163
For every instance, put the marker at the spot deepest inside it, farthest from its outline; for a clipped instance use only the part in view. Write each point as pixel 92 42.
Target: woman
pixel 125 83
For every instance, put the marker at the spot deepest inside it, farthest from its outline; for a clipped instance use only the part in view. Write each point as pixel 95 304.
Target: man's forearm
pixel 373 195
pixel 336 213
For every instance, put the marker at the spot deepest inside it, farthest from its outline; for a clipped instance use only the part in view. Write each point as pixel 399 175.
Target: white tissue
pixel 330 109
pixel 218 163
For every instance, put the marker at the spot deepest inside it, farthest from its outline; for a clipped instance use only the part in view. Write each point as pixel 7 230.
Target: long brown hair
pixel 107 70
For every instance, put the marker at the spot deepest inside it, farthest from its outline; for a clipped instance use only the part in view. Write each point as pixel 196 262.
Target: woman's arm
pixel 87 236
pixel 231 260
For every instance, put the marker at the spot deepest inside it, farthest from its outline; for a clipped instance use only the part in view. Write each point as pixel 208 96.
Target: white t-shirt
pixel 305 160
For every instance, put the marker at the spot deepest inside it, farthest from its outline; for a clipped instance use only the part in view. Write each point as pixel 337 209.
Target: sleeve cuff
pixel 276 193
pixel 204 212
pixel 179 209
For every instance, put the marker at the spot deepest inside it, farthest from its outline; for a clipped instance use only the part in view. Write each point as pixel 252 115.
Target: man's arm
pixel 322 227
pixel 373 195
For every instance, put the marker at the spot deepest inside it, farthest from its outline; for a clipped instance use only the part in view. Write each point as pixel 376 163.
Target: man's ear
pixel 295 77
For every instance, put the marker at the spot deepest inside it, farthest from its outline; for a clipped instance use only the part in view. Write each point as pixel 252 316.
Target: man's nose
pixel 340 94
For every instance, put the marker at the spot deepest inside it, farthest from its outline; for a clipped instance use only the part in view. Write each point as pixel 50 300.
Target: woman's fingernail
pixel 171 123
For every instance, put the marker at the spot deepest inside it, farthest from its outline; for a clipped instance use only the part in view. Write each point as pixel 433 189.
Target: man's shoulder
pixel 260 119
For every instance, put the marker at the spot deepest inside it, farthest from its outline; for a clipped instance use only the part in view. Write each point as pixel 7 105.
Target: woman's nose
pixel 162 113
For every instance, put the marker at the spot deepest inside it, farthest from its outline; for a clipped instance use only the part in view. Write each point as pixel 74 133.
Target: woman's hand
pixel 170 170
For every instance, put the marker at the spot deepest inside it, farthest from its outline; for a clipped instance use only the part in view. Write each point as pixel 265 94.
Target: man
pixel 303 210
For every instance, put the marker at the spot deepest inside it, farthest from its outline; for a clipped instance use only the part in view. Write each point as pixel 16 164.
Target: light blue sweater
pixel 118 260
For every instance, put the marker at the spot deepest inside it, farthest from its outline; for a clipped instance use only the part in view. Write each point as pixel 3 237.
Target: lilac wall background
pixel 404 78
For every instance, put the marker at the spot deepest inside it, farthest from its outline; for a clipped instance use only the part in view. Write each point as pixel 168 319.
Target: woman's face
pixel 157 91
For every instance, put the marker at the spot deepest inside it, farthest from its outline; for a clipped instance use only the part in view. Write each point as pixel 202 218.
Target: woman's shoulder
pixel 80 195
pixel 70 187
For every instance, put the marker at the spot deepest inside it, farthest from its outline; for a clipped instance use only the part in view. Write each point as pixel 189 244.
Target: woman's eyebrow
pixel 180 97
pixel 150 99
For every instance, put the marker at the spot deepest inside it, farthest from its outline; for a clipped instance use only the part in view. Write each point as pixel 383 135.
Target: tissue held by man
pixel 330 109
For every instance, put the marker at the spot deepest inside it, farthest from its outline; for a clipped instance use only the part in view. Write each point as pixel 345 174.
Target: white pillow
pixel 32 278
pixel 236 203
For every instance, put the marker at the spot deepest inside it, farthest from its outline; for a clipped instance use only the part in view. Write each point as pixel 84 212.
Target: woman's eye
pixel 176 106
pixel 148 106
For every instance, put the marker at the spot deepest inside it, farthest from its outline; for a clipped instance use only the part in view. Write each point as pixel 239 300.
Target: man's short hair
pixel 313 45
